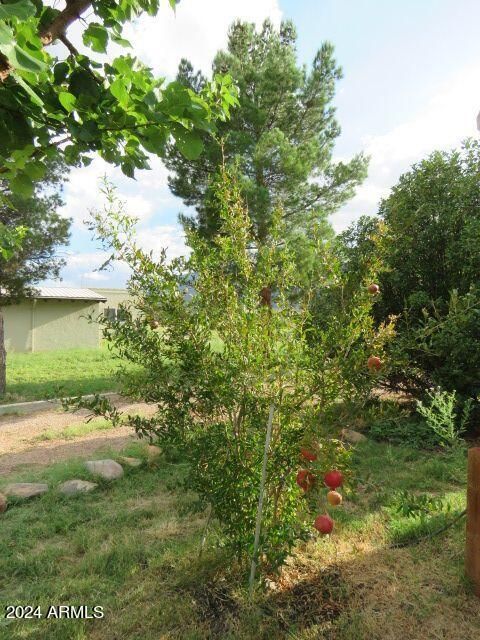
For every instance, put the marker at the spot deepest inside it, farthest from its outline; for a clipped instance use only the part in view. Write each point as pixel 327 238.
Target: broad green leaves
pixel 96 37
pixel 22 10
pixel 116 108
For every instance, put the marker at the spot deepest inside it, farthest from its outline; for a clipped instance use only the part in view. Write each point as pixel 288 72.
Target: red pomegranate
pixel 373 289
pixel 333 479
pixel 374 363
pixel 308 455
pixel 305 479
pixel 323 523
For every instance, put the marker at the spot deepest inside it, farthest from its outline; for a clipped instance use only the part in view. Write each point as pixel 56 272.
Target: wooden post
pixel 472 552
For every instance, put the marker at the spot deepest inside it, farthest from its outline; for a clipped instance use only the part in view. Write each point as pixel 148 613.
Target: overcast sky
pixel 411 85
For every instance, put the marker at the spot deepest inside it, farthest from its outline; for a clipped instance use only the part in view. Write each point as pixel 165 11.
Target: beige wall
pixel 44 325
pixel 114 297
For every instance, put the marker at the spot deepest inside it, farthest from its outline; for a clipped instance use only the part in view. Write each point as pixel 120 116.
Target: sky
pixel 411 85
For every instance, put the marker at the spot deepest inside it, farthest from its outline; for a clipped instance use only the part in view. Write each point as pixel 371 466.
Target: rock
pixel 106 469
pixel 25 489
pixel 354 437
pixel 3 503
pixel 131 462
pixel 153 451
pixel 71 487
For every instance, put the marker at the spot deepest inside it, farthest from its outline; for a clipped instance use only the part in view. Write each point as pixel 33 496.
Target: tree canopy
pixel 70 106
pixel 35 230
pixel 281 137
pixel 427 235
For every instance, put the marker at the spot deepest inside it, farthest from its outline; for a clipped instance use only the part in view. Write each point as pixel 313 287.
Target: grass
pixel 75 430
pixel 133 547
pixel 50 374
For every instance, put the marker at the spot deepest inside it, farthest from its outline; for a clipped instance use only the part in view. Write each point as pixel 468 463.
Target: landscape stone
pixel 153 451
pixel 354 437
pixel 25 489
pixel 106 469
pixel 3 503
pixel 71 487
pixel 131 462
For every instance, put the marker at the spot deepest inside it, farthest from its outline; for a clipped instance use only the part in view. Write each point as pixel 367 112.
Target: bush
pixel 427 236
pixel 224 335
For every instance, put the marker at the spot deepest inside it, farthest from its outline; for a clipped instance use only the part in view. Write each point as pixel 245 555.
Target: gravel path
pixel 18 434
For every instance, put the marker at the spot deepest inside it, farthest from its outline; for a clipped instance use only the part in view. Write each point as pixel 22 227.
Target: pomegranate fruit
pixel 374 363
pixel 373 288
pixel 308 455
pixel 334 498
pixel 323 523
pixel 305 479
pixel 333 479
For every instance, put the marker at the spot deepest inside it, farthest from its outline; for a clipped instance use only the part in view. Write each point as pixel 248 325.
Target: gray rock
pixel 354 437
pixel 131 462
pixel 3 503
pixel 106 469
pixel 25 489
pixel 71 487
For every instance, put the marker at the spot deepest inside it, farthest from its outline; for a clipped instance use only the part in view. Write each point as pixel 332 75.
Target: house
pixel 57 318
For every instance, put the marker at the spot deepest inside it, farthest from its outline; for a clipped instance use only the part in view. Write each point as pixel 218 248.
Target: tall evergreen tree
pixel 35 257
pixel 281 137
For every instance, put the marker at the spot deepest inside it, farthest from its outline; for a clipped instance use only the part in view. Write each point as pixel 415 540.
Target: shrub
pixel 224 335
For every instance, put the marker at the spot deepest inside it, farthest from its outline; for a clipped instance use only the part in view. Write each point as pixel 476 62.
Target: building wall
pixel 18 326
pixel 45 325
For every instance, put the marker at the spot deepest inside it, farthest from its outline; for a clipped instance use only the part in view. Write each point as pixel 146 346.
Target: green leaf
pixel 34 96
pixel 23 9
pixel 6 35
pixel 119 91
pixel 121 41
pixel 82 84
pixel 20 59
pixel 35 170
pixel 189 143
pixel 22 185
pixel 60 72
pixel 67 100
pixel 96 37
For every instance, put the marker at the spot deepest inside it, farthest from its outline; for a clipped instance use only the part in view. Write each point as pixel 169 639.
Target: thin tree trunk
pixel 3 358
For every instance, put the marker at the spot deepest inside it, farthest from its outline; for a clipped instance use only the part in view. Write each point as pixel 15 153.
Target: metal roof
pixel 67 293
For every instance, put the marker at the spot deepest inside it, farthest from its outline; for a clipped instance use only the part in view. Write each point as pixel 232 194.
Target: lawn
pixel 50 374
pixel 133 548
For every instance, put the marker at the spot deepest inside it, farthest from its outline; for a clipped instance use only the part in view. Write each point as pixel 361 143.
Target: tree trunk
pixel 3 358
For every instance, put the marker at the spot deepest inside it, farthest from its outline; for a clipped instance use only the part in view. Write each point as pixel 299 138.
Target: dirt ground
pixel 19 444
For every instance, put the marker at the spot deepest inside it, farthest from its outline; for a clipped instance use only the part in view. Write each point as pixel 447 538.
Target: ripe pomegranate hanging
pixel 324 524
pixel 374 363
pixel 305 479
pixel 333 479
pixel 307 454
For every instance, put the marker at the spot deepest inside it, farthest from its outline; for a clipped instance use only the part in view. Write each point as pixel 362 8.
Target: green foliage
pixel 443 418
pixel 412 505
pixel 37 230
pixel 403 428
pixel 280 139
pixel 70 106
pixel 228 342
pixel 427 237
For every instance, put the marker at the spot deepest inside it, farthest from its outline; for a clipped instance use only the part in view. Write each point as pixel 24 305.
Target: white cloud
pixel 168 236
pixel 195 31
pixel 445 121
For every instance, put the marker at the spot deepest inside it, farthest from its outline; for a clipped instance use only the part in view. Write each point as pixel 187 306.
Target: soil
pixel 19 444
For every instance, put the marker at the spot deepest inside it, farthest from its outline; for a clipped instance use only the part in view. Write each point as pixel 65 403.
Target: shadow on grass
pixel 29 391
